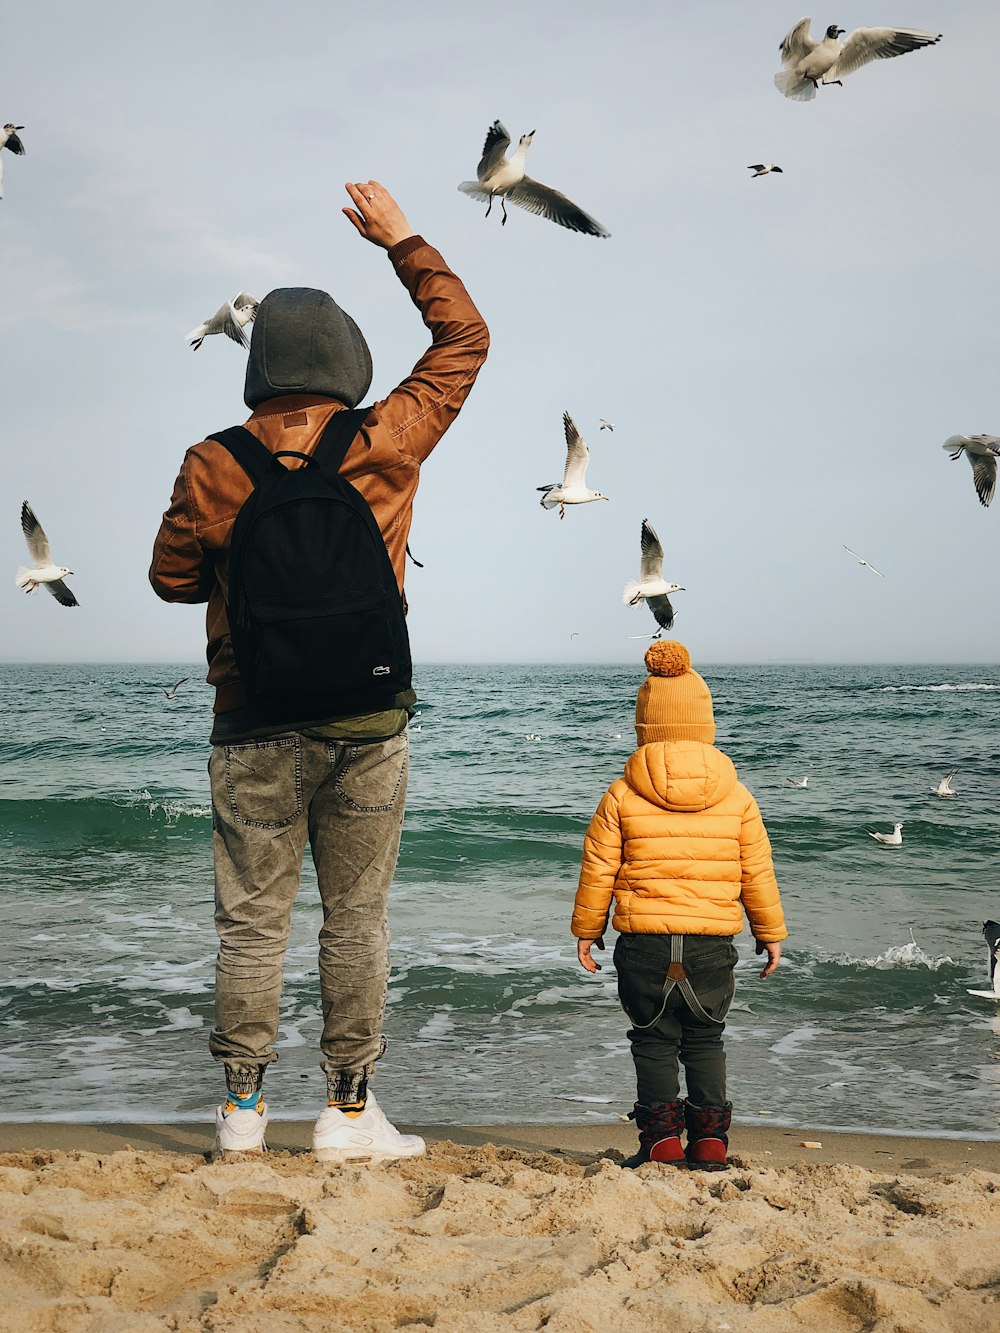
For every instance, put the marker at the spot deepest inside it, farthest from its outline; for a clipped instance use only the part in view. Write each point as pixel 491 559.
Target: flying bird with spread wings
pixel 982 452
pixel 574 489
pixel 809 62
pixel 44 572
pixel 651 587
pixel 229 319
pixel 501 176
pixel 10 140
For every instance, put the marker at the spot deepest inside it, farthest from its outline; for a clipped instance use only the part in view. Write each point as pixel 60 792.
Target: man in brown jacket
pixel 338 782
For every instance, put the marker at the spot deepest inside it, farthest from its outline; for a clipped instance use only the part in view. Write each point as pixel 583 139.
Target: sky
pixel 782 357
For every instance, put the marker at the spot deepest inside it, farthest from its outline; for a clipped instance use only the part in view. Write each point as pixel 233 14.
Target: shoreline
pixel 753 1146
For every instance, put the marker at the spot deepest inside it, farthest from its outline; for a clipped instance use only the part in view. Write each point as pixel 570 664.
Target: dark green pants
pixel 678 1035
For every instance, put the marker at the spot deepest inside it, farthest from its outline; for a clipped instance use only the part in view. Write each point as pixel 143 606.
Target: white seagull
pixel 607 425
pixel 944 787
pixel 991 933
pixel 893 839
pixel 174 688
pixel 504 176
pixel 862 561
pixel 651 587
pixel 44 572
pixel 808 62
pixel 574 490
pixel 764 169
pixel 982 452
pixel 228 319
pixel 9 139
pixel 798 782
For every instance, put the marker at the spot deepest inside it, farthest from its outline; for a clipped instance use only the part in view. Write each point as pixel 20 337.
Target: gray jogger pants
pixel 268 798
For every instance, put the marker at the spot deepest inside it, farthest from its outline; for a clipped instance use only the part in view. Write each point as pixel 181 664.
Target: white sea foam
pixel 440 1024
pixel 920 689
pixel 901 955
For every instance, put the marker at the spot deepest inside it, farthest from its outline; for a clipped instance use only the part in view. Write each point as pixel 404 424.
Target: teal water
pixel 107 943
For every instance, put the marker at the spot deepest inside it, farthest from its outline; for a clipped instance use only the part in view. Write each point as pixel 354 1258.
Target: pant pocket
pixel 264 782
pixel 373 777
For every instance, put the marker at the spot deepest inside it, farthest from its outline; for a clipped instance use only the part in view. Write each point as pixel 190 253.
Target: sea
pixel 107 943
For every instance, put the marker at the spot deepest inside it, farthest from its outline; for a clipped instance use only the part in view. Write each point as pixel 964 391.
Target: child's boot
pixel 708 1141
pixel 660 1127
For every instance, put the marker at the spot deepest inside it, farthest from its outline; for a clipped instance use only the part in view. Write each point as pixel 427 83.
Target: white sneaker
pixel 240 1131
pixel 368 1137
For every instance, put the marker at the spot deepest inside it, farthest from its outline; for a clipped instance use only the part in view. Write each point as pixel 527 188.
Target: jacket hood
pixel 681 775
pixel 304 343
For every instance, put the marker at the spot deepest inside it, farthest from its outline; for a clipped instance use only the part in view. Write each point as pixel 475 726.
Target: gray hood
pixel 304 343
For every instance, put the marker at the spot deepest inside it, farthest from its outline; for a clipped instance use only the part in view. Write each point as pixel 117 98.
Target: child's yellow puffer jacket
pixel 680 843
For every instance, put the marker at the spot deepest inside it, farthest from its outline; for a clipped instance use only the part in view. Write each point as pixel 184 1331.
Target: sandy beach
pixel 129 1229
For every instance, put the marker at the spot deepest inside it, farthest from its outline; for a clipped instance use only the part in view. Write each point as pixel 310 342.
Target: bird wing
pixel 850 552
pixel 756 166
pixel 61 593
pixel 15 145
pixel 34 535
pixel 231 326
pixel 797 43
pixel 867 44
pixel 869 565
pixel 243 299
pixel 494 150
pixel 651 566
pixel 984 475
pixel 183 680
pixel 577 454
pixel 548 203
pixel 661 609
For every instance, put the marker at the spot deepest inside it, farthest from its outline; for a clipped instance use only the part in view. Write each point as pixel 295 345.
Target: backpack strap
pixel 254 458
pixel 257 460
pixel 341 432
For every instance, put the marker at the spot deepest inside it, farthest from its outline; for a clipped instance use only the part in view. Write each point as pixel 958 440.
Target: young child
pixel 680 843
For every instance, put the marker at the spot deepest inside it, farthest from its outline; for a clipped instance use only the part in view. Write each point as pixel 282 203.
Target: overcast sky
pixel 782 357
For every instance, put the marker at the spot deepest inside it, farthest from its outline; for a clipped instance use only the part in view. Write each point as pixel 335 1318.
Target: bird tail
pixel 474 189
pixel 632 596
pixel 793 85
pixel 24 580
pixel 953 444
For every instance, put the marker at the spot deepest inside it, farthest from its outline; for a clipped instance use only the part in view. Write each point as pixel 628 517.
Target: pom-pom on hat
pixel 674 703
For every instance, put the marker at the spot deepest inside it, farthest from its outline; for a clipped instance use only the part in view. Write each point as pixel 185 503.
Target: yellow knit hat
pixel 674 703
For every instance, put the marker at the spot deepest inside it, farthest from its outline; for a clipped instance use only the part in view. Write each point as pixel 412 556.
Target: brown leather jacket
pixel 191 554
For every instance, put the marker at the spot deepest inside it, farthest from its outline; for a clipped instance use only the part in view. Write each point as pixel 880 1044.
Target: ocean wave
pixel 962 687
pixel 903 955
pixel 91 819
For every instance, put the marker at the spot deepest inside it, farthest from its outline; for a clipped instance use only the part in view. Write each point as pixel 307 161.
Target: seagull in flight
pixel 44 571
pixel 651 587
pixel 9 139
pixel 982 452
pixel 574 490
pixel 991 933
pixel 944 787
pixel 893 839
pixel 764 169
pixel 498 174
pixel 798 782
pixel 607 425
pixel 862 561
pixel 229 319
pixel 174 688
pixel 808 62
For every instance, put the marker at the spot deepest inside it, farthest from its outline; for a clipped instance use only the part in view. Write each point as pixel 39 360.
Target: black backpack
pixel 315 614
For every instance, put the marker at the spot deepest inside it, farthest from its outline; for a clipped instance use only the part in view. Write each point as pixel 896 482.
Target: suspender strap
pixel 257 460
pixel 676 976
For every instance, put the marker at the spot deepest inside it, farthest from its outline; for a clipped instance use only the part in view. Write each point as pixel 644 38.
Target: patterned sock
pixel 252 1102
pixel 351 1109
